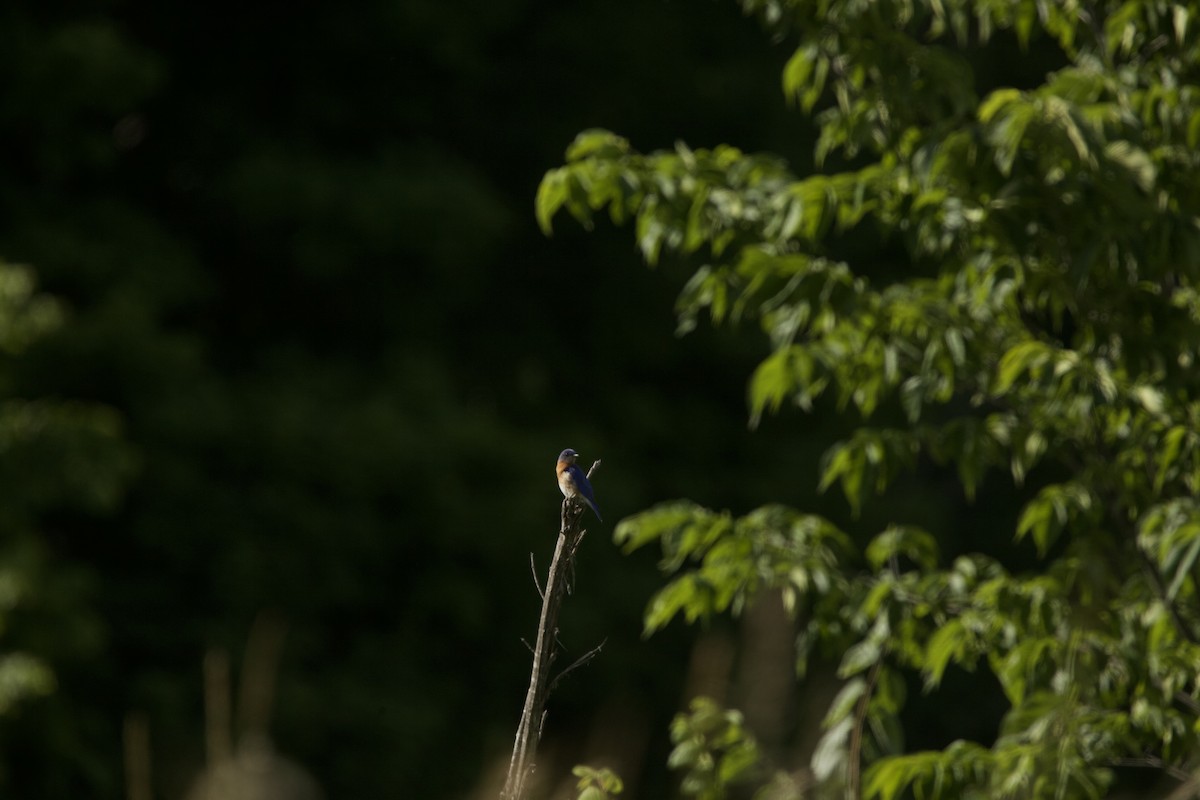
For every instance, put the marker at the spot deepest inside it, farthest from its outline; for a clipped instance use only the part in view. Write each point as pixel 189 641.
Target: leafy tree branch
pixel 1042 327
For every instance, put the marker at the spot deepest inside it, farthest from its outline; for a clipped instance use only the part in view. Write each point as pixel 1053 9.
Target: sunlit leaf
pixel 903 540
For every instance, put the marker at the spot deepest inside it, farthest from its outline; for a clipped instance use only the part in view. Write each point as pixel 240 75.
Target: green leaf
pixel 597 143
pixel 685 754
pixel 1121 27
pixel 839 460
pixel 956 345
pixel 829 756
pixel 871 458
pixel 890 692
pixel 903 540
pixel 1021 665
pixel 956 772
pixel 887 778
pixel 995 101
pixel 551 194
pixel 683 528
pixel 1170 534
pixel 796 75
pixel 948 643
pixel 1184 570
pixel 817 85
pixel 737 762
pixel 1026 16
pixel 713 747
pixel 1136 163
pixel 1172 443
pixel 1150 397
pixel 844 702
pixel 686 594
pixel 780 376
pixel 1023 357
pixel 597 784
pixel 1037 518
pixel 1052 510
pixel 859 657
pixel 650 231
pixel 22 676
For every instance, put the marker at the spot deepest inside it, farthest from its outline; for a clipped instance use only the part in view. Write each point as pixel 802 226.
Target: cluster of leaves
pixel 1083 697
pixel 597 784
pixel 712 749
pixel 1049 315
pixel 53 454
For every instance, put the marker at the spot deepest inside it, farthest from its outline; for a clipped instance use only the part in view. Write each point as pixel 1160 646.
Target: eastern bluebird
pixel 573 482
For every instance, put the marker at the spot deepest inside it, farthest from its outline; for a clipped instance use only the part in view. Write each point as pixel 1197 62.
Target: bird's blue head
pixel 568 456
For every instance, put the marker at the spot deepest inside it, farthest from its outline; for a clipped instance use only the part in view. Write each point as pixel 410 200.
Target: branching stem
pixel 558 585
pixel 854 768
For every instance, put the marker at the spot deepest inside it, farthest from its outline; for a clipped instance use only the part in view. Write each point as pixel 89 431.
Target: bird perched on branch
pixel 573 482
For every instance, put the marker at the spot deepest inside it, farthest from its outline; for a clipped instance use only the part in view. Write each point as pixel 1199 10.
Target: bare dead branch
pixel 559 582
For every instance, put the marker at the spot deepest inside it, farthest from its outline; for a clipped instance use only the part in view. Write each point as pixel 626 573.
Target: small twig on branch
pixel 854 774
pixel 579 662
pixel 1156 582
pixel 1154 762
pixel 1185 699
pixel 559 581
pixel 533 569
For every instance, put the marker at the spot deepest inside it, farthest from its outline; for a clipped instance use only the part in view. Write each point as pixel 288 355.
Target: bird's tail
pixel 592 506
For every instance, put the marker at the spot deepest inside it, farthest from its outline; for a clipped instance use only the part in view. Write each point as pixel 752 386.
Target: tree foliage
pixel 1036 322
pixel 56 456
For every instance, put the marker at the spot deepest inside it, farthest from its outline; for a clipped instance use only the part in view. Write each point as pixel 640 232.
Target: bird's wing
pixel 581 481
